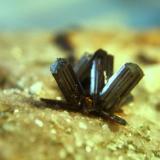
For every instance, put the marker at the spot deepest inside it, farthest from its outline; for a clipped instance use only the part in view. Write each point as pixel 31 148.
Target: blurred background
pixel 53 14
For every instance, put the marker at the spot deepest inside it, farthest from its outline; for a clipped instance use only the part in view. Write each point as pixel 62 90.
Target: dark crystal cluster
pixel 91 87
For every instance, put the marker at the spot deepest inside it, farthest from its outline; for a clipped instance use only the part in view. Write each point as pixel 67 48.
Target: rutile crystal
pixel 91 87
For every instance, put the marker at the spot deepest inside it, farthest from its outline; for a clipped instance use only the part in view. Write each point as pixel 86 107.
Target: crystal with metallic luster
pixel 91 87
pixel 67 81
pixel 120 85
pixel 97 74
pixel 83 66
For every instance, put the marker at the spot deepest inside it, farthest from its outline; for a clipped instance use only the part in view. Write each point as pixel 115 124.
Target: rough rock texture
pixel 30 130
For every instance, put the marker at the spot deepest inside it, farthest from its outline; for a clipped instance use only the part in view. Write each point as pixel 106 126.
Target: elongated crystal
pixel 109 65
pixel 101 70
pixel 67 81
pixel 97 76
pixel 82 68
pixel 120 85
pixel 113 118
pixel 59 104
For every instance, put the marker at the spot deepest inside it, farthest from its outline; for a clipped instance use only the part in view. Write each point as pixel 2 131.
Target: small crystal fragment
pixel 88 149
pixel 36 88
pixel 82 125
pixel 38 122
pixel 114 118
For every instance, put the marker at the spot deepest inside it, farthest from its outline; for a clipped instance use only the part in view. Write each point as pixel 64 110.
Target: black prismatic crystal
pixel 91 87
pixel 99 73
pixel 120 85
pixel 67 81
pixel 82 67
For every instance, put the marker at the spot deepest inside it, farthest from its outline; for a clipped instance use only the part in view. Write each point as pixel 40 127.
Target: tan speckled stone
pixel 30 131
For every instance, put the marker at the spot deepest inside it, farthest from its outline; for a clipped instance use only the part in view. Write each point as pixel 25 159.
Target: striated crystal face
pixel 120 85
pixel 67 81
pixel 91 87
